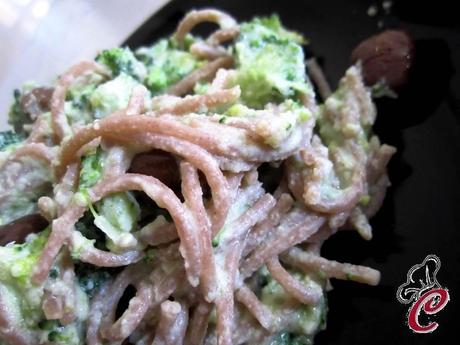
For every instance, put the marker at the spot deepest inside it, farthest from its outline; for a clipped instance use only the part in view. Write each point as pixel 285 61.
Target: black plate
pixel 421 214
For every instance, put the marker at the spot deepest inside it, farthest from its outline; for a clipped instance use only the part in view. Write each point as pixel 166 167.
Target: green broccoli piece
pixel 56 333
pixel 166 64
pixel 122 60
pixel 308 319
pixel 287 338
pixel 8 138
pixel 18 260
pixel 117 217
pixel 270 62
pixel 16 264
pixel 92 166
pixel 112 95
pixel 91 278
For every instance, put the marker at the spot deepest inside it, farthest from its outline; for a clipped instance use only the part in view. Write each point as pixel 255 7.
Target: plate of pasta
pixel 181 192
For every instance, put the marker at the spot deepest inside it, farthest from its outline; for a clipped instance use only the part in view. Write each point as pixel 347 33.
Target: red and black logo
pixel 424 294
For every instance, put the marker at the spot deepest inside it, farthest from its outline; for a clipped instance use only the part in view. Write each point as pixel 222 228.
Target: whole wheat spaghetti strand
pixel 203 161
pixel 156 235
pixel 131 318
pixel 194 18
pixel 310 262
pixel 37 150
pixel 128 130
pixel 360 222
pixel 223 35
pixel 192 153
pixel 63 191
pixel 96 314
pixel 211 49
pixel 229 254
pixel 61 230
pixel 289 283
pixel 136 100
pixel 117 162
pixel 166 285
pixel 259 232
pixel 377 193
pixel 198 324
pixel 318 161
pixel 378 162
pixel 60 124
pixel 193 194
pixel 222 79
pixel 165 198
pixel 202 50
pixel 173 324
pixel 261 313
pixel 62 227
pixel 318 77
pixel 283 241
pixel 206 72
pixel 110 300
pixel 102 258
pixel 195 103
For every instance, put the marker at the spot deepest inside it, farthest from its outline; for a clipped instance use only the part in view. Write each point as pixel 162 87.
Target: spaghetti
pixel 131 257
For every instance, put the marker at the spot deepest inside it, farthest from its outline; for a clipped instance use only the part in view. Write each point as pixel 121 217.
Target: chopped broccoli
pixel 122 60
pixel 112 95
pixel 116 215
pixel 18 260
pixel 270 62
pixel 55 333
pixel 91 278
pixel 92 167
pixel 78 108
pixel 16 264
pixel 86 226
pixel 166 64
pixel 117 218
pixel 8 138
pixel 309 319
pixel 287 338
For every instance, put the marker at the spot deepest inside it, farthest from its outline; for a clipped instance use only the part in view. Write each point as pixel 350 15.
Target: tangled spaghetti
pixel 160 228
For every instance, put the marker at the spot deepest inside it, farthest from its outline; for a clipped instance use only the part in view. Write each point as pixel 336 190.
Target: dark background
pixel 421 214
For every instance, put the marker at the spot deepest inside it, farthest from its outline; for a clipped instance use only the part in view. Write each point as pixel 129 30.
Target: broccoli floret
pixel 270 63
pixel 122 60
pixel 166 64
pixel 117 217
pixel 8 138
pixel 18 260
pixel 112 95
pixel 16 264
pixel 55 333
pixel 92 166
